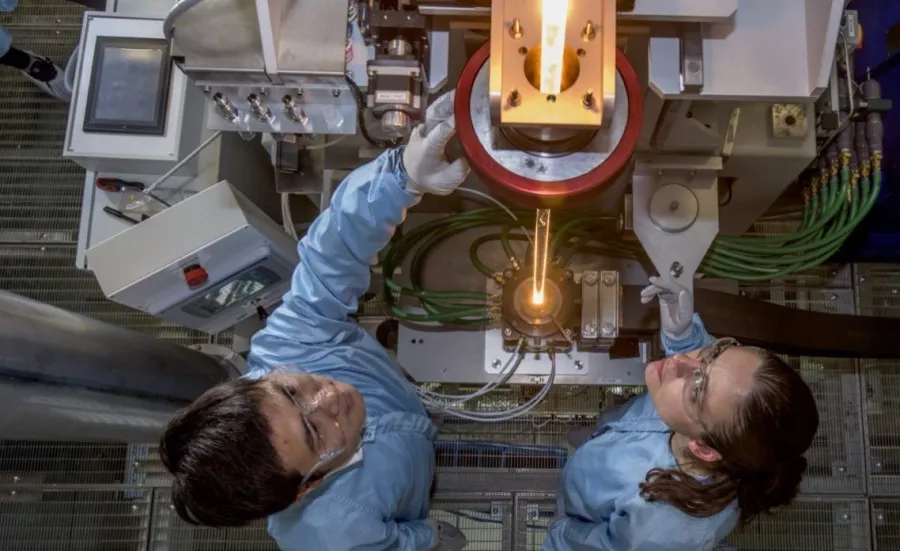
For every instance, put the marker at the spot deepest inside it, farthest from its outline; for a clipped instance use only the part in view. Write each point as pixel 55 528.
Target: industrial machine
pixel 609 141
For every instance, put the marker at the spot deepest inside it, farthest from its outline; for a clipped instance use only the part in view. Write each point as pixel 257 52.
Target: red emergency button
pixel 195 275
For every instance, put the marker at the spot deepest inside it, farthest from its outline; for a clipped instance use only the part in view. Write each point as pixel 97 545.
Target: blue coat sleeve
pixel 698 339
pixel 335 257
pixel 8 5
pixel 632 527
pixel 335 524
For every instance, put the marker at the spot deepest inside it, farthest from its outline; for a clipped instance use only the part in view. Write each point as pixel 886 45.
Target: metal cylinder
pixel 396 123
pixel 399 46
pixel 43 344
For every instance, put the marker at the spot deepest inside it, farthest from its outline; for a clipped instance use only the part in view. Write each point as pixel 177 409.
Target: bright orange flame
pixel 541 254
pixel 553 41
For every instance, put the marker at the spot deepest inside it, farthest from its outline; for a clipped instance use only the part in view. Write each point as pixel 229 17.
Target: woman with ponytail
pixel 717 440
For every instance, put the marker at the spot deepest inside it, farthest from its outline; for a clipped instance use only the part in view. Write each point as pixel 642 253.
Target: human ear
pixel 703 452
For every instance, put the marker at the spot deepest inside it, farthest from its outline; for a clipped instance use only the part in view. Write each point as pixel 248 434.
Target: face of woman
pixel 703 387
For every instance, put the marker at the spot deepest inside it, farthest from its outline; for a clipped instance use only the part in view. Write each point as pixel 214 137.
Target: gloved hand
pixel 676 307
pixel 447 536
pixel 423 157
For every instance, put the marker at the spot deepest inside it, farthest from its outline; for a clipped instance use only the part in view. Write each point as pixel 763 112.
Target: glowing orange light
pixel 553 41
pixel 541 254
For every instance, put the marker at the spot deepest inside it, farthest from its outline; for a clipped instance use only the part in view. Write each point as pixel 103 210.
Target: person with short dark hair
pixel 718 439
pixel 325 436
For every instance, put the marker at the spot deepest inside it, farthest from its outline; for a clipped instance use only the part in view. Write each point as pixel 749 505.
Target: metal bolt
pixel 496 363
pixel 567 274
pixel 137 463
pixel 12 493
pixel 507 332
pixel 676 269
pixel 862 279
pixel 845 516
pixel 508 274
pixel 515 30
pixel 336 93
pixel 171 507
pixel 134 507
pixel 608 329
pixel 609 279
pixel 514 99
pixel 590 329
pixel 15 479
pixel 880 517
pixel 833 297
pixel 587 100
pixel 589 32
pixel 495 511
pixel 579 364
pixel 590 278
pixel 567 333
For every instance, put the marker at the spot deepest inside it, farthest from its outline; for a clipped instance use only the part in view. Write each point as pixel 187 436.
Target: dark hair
pixel 762 450
pixel 227 471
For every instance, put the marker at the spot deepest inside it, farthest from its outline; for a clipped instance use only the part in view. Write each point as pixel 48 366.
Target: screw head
pixel 590 278
pixel 508 274
pixel 587 100
pixel 590 329
pixel 608 329
pixel 609 279
pixel 676 269
pixel 515 98
pixel 568 274
pixel 579 364
pixel 507 332
pixel 496 363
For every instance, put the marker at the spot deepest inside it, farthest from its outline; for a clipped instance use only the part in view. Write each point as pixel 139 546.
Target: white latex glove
pixel 423 157
pixel 447 536
pixel 676 307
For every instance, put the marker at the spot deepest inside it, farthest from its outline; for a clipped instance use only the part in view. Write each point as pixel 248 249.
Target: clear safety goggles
pixel 324 435
pixel 697 372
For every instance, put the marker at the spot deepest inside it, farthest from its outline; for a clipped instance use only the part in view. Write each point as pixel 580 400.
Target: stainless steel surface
pixel 49 345
pixel 321 105
pixel 310 37
pixel 692 59
pixel 687 247
pixel 541 168
pixel 600 315
pixel 589 64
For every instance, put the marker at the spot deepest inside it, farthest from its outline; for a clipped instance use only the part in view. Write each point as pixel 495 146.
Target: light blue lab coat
pixel 380 503
pixel 599 500
pixel 5 37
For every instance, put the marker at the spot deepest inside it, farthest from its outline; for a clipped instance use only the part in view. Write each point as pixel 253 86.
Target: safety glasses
pixel 324 435
pixel 695 386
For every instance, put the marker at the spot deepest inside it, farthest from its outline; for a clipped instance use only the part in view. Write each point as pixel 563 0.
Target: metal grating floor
pixel 111 496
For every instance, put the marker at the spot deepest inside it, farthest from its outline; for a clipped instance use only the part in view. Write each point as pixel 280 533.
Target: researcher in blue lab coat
pixel 42 72
pixel 325 436
pixel 717 439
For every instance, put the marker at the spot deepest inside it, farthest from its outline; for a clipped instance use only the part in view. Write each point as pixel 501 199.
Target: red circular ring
pixel 492 171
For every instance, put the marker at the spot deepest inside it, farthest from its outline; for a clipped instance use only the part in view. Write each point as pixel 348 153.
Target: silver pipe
pixel 46 345
pixel 149 189
pixel 454 11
